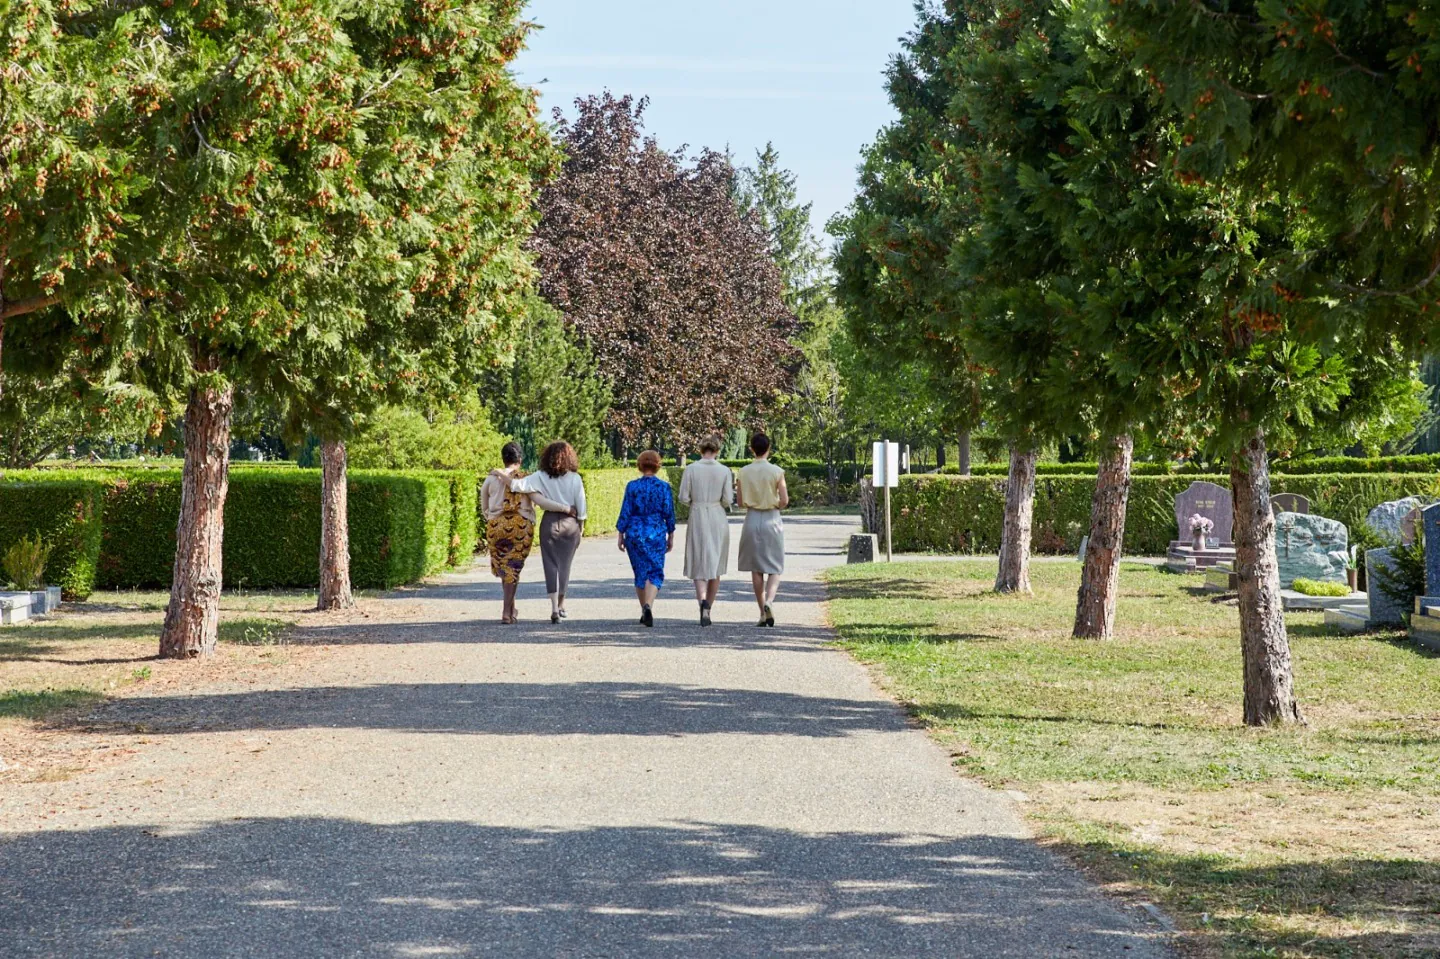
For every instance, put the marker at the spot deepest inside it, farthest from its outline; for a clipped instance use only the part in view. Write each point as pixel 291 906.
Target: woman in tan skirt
pixel 558 489
pixel 708 488
pixel 763 494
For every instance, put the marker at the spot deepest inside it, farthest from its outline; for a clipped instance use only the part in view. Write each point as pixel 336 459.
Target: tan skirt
pixel 762 542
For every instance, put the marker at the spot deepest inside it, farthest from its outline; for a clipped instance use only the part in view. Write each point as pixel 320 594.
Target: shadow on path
pixel 502 709
pixel 331 887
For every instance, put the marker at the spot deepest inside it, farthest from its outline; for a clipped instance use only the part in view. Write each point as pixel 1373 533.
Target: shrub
pixel 1314 587
pixel 604 492
pixel 458 437
pixel 965 514
pixel 1406 579
pixel 63 510
pixel 25 561
pixel 464 516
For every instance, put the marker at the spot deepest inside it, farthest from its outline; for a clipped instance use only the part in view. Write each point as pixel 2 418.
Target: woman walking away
pixel 762 542
pixel 707 487
pixel 509 526
pixel 558 490
pixel 647 531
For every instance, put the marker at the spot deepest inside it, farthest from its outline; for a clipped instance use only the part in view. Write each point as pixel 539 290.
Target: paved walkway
pixel 445 786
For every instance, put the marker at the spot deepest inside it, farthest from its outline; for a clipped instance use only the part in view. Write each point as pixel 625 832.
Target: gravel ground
pixel 441 785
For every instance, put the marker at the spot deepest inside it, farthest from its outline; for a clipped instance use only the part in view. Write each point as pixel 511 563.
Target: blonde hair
pixel 711 444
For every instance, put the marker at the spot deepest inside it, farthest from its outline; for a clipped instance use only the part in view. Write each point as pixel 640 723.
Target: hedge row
pixel 1427 463
pixel 120 531
pixel 965 514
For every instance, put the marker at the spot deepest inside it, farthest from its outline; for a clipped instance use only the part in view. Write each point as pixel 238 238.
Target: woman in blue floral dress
pixel 647 531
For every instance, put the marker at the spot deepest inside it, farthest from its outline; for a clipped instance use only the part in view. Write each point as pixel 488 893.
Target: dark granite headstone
pixel 1430 522
pixel 1210 501
pixel 1289 503
pixel 864 548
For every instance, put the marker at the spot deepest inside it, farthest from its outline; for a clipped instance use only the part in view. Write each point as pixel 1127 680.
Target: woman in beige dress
pixel 763 495
pixel 707 487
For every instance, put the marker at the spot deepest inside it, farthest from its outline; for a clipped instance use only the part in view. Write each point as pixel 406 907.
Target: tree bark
pixel 965 453
pixel 1100 577
pixel 335 592
pixel 940 454
pixel 192 619
pixel 1014 574
pixel 1269 675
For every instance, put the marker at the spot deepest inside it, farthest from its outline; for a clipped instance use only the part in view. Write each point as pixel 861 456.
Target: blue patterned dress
pixel 647 518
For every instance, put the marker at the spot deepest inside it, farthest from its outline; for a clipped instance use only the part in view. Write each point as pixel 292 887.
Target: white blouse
pixel 568 490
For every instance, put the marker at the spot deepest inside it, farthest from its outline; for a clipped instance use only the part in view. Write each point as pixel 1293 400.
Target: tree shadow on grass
pixel 339 887
pixel 1272 909
pixel 17 704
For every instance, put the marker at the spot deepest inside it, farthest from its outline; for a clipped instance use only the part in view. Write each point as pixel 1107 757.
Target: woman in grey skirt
pixel 558 490
pixel 763 494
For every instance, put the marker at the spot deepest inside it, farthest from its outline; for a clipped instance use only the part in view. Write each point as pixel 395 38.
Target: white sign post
pixel 887 476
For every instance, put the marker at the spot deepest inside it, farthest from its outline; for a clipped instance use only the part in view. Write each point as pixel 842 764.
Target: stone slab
pixel 1384 610
pixel 1299 602
pixel 14 608
pixel 1221 579
pixel 1348 619
pixel 864 548
pixel 1430 534
pixel 1311 547
pixel 1425 631
pixel 1210 501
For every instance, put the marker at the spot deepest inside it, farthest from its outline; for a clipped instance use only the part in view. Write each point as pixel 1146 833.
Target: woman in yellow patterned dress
pixel 509 526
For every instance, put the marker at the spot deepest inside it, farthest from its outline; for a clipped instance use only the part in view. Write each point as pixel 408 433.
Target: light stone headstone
pixel 1210 501
pixel 1385 610
pixel 1409 527
pixel 1311 547
pixel 1388 519
pixel 1289 503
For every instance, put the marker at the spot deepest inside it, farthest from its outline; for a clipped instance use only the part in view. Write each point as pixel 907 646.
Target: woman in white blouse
pixel 558 490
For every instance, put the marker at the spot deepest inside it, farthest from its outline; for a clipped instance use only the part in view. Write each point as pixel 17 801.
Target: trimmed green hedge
pixel 1428 463
pixel 604 493
pixel 952 514
pixel 65 513
pixel 464 516
pixel 403 526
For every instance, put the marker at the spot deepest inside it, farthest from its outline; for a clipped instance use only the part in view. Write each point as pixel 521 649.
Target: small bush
pixel 1405 580
pixel 1314 587
pixel 25 563
pixel 604 492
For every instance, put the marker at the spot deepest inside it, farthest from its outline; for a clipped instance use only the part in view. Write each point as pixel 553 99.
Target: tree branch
pixel 31 305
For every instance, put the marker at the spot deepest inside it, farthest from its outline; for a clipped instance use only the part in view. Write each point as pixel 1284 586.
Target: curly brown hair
pixel 559 459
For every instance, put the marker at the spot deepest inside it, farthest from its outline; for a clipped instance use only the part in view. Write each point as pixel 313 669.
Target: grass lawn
pixel 1318 841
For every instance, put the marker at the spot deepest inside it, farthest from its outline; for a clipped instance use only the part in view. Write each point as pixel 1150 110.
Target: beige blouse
pixel 760 485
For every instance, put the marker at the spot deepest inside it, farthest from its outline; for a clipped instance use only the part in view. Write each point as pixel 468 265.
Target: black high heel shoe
pixel 704 614
pixel 647 617
pixel 769 615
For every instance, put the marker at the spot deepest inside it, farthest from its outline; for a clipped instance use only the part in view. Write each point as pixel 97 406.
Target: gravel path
pixel 444 786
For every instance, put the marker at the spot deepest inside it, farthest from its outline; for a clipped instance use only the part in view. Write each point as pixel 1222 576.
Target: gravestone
pixel 1387 519
pixel 863 548
pixel 1385 610
pixel 1310 547
pixel 1430 520
pixel 1210 501
pixel 1408 527
pixel 1289 503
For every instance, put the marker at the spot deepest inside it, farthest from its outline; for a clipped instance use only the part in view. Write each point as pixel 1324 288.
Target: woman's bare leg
pixel 509 590
pixel 712 589
pixel 701 586
pixel 648 594
pixel 757 581
pixel 772 587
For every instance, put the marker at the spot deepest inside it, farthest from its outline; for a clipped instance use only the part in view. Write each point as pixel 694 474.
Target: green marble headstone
pixel 1311 547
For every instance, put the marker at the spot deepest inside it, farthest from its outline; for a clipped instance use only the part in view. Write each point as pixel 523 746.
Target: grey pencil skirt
pixel 559 539
pixel 762 542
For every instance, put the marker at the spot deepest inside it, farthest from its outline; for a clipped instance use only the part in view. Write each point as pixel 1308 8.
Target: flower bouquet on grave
pixel 1200 528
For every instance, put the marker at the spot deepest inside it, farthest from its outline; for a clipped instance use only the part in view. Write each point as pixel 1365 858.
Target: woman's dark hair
pixel 512 454
pixel 648 462
pixel 559 459
pixel 759 444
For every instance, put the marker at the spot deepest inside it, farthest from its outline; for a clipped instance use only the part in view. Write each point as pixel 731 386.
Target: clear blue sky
pixel 806 74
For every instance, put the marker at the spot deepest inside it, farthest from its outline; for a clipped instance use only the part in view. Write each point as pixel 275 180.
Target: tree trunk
pixel 335 590
pixel 940 454
pixel 1100 578
pixel 192 619
pixel 965 453
pixel 1269 677
pixel 1014 574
